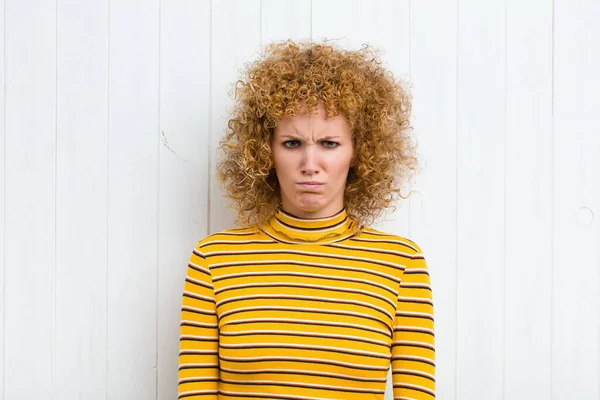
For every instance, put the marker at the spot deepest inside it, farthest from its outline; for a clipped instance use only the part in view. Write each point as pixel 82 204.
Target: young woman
pixel 306 301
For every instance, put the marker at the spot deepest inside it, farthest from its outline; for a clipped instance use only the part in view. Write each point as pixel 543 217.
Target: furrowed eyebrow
pixel 299 138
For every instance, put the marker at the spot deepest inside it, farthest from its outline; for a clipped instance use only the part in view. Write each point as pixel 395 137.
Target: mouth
pixel 310 185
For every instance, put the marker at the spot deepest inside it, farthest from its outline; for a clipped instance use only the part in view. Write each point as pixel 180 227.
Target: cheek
pixel 341 164
pixel 282 165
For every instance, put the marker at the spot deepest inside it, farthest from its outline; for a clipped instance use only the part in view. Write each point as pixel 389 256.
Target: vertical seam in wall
pixel 158 169
pixel 505 197
pixel 4 206
pixel 260 17
pixel 456 203
pixel 552 177
pixel 311 20
pixel 107 196
pixel 209 158
pixel 55 283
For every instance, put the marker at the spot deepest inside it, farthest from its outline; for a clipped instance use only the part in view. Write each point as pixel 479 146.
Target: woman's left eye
pixel 328 143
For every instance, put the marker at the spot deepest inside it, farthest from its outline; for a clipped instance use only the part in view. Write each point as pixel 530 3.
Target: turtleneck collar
pixel 289 228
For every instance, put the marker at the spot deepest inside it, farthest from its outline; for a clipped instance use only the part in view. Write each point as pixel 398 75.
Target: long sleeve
pixel 198 344
pixel 413 347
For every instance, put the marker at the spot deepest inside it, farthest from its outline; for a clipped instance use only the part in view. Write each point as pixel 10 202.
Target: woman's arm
pixel 199 341
pixel 413 351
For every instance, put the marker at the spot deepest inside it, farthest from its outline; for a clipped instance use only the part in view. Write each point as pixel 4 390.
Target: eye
pixel 291 143
pixel 330 144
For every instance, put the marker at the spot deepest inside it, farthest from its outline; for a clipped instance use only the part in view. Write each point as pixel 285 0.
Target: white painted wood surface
pixel 183 184
pixel 2 202
pixel 133 190
pixel 528 211
pixel 481 200
pixel 235 39
pixel 109 120
pixel 81 200
pixel 576 201
pixel 433 65
pixel 29 158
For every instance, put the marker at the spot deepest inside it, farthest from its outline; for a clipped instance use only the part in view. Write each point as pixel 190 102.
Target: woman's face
pixel 312 149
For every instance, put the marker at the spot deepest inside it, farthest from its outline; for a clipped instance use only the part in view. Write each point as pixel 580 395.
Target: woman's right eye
pixel 291 143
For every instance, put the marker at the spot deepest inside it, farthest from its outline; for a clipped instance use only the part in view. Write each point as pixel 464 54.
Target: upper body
pixel 306 301
pixel 306 309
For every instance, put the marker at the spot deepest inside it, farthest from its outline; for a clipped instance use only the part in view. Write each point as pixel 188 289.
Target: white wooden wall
pixel 110 114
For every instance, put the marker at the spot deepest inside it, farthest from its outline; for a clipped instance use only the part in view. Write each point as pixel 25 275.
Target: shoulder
pixel 377 237
pixel 233 236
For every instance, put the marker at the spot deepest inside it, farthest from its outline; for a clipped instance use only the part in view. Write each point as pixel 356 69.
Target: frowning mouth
pixel 310 185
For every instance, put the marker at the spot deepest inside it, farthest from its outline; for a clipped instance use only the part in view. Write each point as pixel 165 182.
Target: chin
pixel 312 205
pixel 311 208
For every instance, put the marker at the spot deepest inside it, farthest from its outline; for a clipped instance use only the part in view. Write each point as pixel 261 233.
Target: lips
pixel 311 185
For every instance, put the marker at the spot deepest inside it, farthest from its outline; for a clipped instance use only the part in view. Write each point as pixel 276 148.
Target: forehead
pixel 316 122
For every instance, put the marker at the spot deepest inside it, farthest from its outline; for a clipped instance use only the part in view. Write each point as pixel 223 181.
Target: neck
pixel 291 228
pixel 328 211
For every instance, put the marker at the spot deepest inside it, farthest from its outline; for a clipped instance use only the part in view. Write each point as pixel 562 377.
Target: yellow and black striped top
pixel 306 309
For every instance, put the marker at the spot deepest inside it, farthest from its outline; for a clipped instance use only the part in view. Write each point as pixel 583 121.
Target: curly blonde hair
pixel 292 77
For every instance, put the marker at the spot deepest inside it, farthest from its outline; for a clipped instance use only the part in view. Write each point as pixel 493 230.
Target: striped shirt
pixel 306 309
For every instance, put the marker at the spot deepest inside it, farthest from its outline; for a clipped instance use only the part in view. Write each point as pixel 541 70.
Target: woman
pixel 306 301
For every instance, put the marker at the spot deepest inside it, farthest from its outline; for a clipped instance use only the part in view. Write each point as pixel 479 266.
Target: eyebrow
pixel 297 137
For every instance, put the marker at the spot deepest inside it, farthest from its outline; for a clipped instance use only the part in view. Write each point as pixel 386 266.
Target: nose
pixel 310 160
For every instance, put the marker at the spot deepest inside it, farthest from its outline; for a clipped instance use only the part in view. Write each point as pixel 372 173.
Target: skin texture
pixel 310 147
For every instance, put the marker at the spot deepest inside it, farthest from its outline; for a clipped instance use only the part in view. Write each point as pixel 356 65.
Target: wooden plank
pixel 384 24
pixel 183 197
pixel 576 202
pixel 29 334
pixel 235 40
pixel 528 216
pixel 2 203
pixel 433 58
pixel 480 200
pixel 133 144
pixel 282 20
pixel 81 190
